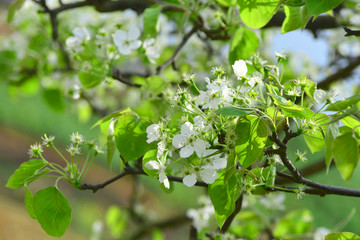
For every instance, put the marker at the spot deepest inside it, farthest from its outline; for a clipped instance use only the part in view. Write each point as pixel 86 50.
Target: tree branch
pixel 350 32
pixel 230 219
pixel 130 171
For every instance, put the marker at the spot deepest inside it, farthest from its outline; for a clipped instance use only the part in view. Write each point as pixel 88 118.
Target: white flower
pixel 255 78
pixel 320 233
pixel 127 41
pixel 209 99
pixel 188 142
pixel 218 92
pixel 158 165
pixel 153 132
pixel 151 51
pixel 35 150
pixel 280 55
pixel 76 138
pixel 273 201
pixel 47 140
pixel 322 96
pixel 206 173
pixel 74 42
pixel 73 149
pixel 201 216
pixel 216 161
pixel 240 68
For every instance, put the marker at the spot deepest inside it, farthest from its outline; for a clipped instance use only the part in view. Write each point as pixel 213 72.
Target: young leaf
pixel 315 142
pixel 130 136
pixel 352 123
pixel 29 203
pixel 345 150
pixel 252 134
pixel 257 14
pixel 231 111
pixel 52 210
pixel 293 19
pixel 223 195
pixel 150 21
pixel 343 104
pixel 111 116
pixel 16 5
pixel 243 45
pixel 342 236
pixel 26 170
pixel 316 7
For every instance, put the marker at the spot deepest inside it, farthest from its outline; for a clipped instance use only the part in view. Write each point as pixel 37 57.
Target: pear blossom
pixel 35 150
pixel 159 165
pixel 322 96
pixel 151 51
pixel 127 41
pixel 205 173
pixel 74 42
pixel 201 216
pixel 153 132
pixel 188 141
pixel 240 68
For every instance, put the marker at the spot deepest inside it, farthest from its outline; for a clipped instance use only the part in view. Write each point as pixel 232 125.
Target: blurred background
pixel 25 117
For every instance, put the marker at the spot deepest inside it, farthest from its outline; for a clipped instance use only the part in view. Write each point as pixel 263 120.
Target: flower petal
pixel 208 175
pixel 179 141
pixel 190 180
pixel 186 151
pixel 152 165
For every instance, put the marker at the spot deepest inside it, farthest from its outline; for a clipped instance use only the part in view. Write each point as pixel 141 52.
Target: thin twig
pixel 230 219
pixel 350 32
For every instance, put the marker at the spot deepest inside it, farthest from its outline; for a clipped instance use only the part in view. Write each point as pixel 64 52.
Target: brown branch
pixel 130 171
pixel 350 32
pixel 340 74
pixel 297 177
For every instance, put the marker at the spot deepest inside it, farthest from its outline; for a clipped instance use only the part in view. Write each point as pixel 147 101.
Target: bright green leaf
pixel 316 7
pixel 332 132
pixel 295 3
pixel 304 114
pixel 29 203
pixel 295 222
pixel 93 73
pixel 345 150
pixel 343 104
pixel 116 220
pixel 26 170
pixel 257 14
pixel 293 19
pixel 315 142
pixel 252 134
pixel 223 195
pixel 14 6
pixel 231 111
pixel 130 136
pixel 111 116
pixel 150 21
pixel 110 142
pixel 342 236
pixel 243 45
pixel 352 123
pixel 52 210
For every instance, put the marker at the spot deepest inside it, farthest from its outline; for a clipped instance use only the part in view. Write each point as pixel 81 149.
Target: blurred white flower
pixel 153 132
pixel 322 96
pixel 151 51
pixel 240 68
pixel 74 43
pixel 127 41
pixel 320 233
pixel 201 216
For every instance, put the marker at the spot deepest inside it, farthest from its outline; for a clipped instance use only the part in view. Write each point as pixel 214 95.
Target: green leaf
pixel 352 123
pixel 310 89
pixel 316 7
pixel 93 73
pixel 223 195
pixel 295 3
pixel 52 210
pixel 304 114
pixel 345 150
pixel 332 132
pixel 243 45
pixel 150 21
pixel 150 156
pixel 286 105
pixel 252 134
pixel 29 203
pixel 343 104
pixel 54 98
pixel 227 3
pixel 257 14
pixel 14 6
pixel 342 236
pixel 155 84
pixel 295 222
pixel 26 171
pixel 231 111
pixel 116 220
pixel 110 142
pixel 315 142
pixel 130 136
pixel 293 19
pixel 111 116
